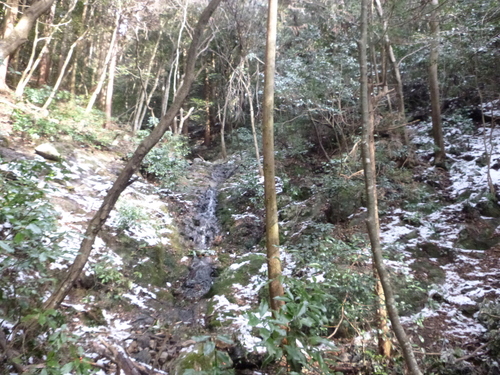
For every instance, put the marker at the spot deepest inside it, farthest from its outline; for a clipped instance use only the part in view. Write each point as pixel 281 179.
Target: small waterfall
pixel 201 228
pixel 204 226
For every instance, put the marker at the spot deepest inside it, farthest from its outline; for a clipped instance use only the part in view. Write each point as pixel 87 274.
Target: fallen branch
pixel 397 127
pixel 473 354
pixel 124 363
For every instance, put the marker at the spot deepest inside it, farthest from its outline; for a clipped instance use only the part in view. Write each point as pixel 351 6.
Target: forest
pixel 217 187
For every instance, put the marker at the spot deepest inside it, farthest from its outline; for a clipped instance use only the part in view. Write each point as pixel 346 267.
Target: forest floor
pixel 129 298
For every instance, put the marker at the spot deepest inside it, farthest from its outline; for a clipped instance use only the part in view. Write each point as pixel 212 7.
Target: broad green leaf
pixel 208 348
pixel 66 369
pixel 34 228
pixel 201 338
pixel 225 339
pixel 19 237
pixel 6 247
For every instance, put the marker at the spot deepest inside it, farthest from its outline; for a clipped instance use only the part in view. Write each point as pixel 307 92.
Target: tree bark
pixel 19 34
pixel 368 155
pixel 395 68
pixel 437 129
pixel 11 11
pixel 133 165
pixel 61 75
pixel 43 74
pixel 272 230
pixel 111 83
pixel 102 78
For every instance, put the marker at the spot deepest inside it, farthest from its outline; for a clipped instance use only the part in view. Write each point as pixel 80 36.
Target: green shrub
pixel 345 272
pixel 29 242
pixel 296 330
pixel 166 161
pixel 28 235
pixel 130 216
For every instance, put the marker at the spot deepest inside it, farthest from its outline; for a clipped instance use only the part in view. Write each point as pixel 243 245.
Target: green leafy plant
pixel 63 355
pixel 217 360
pixel 295 331
pixel 130 216
pixel 28 235
pixel 166 161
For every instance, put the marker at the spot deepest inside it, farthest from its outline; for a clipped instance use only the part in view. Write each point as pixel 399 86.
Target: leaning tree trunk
pixel 437 129
pixel 19 34
pixel 272 230
pixel 368 156
pixel 133 164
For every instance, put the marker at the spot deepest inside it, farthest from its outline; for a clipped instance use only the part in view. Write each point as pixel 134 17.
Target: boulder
pixel 48 151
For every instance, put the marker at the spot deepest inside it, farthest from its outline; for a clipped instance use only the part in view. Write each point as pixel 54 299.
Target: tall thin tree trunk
pixel 373 225
pixel 395 68
pixel 102 78
pixel 111 83
pixel 61 75
pixel 123 180
pixel 43 75
pixel 437 129
pixel 26 75
pixel 252 120
pixel 272 230
pixel 208 121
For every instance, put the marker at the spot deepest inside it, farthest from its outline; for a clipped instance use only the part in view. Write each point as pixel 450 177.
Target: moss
pixel 194 360
pixel 224 283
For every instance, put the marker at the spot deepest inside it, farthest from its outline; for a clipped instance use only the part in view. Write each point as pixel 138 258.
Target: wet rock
pixel 202 227
pixel 199 280
pixel 48 151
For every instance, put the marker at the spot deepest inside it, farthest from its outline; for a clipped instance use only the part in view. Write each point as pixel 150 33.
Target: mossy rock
pixel 194 360
pixel 479 235
pixel 242 275
pixel 489 208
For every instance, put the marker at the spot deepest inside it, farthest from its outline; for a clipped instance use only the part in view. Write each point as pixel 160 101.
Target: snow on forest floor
pixel 470 275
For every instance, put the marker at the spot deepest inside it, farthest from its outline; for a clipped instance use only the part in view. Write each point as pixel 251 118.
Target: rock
pixel 48 151
pixel 133 347
pixel 199 280
pixel 4 141
pixel 434 250
pixel 164 357
pixel 152 344
pixel 143 341
pixel 143 356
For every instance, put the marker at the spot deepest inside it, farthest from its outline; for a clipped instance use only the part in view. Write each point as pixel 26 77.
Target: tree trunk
pixel 272 230
pixel 133 165
pixel 395 69
pixel 61 75
pixel 43 75
pixel 27 73
pixel 11 10
pixel 252 118
pixel 19 34
pixel 111 83
pixel 437 129
pixel 208 122
pixel 102 78
pixel 368 152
